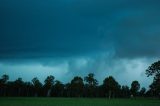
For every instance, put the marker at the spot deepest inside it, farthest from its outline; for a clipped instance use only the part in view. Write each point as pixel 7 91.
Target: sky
pixel 66 38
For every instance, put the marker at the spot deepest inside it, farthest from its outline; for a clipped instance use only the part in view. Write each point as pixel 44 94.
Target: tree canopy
pixel 154 70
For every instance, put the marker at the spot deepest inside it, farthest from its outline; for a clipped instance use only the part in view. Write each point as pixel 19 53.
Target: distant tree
pixel 125 91
pixel 77 87
pixel 111 87
pixel 142 92
pixel 37 86
pixel 3 85
pixel 91 80
pixel 19 86
pixel 91 85
pixel 154 70
pixel 67 90
pixel 4 79
pixel 28 89
pixel 49 81
pixel 58 89
pixel 135 86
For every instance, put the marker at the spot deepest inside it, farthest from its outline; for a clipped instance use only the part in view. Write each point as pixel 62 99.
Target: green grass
pixel 77 102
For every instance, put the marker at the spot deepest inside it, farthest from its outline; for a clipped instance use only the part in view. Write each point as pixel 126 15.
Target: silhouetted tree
pixel 19 86
pixel 91 85
pixel 125 91
pixel 142 92
pixel 135 86
pixel 49 81
pixel 155 87
pixel 29 89
pixel 58 89
pixel 111 87
pixel 4 79
pixel 67 90
pixel 3 85
pixel 37 86
pixel 154 70
pixel 77 87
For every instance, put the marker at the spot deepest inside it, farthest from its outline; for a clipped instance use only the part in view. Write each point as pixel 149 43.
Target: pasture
pixel 20 101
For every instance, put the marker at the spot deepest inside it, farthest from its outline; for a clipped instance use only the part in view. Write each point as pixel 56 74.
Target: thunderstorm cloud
pixel 75 37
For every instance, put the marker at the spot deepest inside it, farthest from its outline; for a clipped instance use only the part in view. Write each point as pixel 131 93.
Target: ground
pixel 77 102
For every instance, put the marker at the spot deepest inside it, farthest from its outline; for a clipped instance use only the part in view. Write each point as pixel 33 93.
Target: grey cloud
pixel 60 28
pixel 102 65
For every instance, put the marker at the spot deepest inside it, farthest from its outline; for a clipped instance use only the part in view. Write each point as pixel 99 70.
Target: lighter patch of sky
pixel 124 70
pixel 29 71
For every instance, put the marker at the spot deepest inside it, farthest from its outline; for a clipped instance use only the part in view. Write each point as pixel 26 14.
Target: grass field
pixel 77 102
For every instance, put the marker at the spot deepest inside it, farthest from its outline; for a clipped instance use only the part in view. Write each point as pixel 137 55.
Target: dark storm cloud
pixel 56 28
pixel 65 38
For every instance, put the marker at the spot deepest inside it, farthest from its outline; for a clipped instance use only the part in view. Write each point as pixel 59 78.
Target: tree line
pixel 80 87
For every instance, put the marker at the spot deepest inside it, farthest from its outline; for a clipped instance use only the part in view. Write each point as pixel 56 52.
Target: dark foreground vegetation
pixel 80 87
pixel 77 102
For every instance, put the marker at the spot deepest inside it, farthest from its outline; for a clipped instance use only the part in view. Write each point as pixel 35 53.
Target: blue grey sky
pixel 75 37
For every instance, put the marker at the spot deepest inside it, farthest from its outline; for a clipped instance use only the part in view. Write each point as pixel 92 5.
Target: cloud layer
pixel 75 37
pixel 78 27
pixel 124 70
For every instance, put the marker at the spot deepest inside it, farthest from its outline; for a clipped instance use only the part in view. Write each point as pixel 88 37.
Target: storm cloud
pixel 104 37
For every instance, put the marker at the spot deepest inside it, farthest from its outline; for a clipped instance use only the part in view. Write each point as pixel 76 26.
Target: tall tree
pixel 111 87
pixel 37 86
pixel 3 84
pixel 49 81
pixel 58 89
pixel 77 87
pixel 19 86
pixel 125 92
pixel 155 87
pixel 91 84
pixel 28 89
pixel 142 92
pixel 135 86
pixel 67 90
pixel 154 70
pixel 5 78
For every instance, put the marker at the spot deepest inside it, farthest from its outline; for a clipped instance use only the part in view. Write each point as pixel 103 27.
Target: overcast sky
pixel 65 38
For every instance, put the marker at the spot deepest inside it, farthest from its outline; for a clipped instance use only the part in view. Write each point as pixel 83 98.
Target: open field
pixel 77 102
